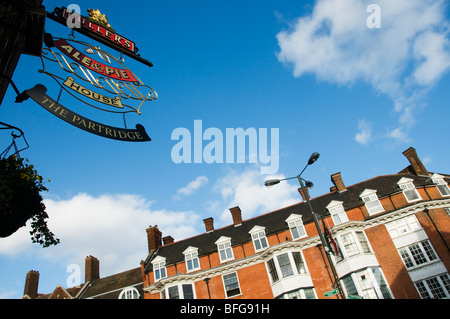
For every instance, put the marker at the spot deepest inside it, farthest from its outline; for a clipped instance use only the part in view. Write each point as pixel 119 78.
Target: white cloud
pixel 432 49
pixel 193 186
pixel 402 59
pixel 364 135
pixel 110 227
pixel 399 135
pixel 247 190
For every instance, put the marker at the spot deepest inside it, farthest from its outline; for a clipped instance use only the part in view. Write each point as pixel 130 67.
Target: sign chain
pixel 59 95
pixel 124 120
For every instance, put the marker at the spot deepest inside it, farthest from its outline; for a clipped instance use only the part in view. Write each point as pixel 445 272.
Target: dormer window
pixel 159 268
pixel 296 226
pixel 259 239
pixel 370 199
pixel 224 248
pixel 337 212
pixel 441 184
pixel 191 258
pixel 409 190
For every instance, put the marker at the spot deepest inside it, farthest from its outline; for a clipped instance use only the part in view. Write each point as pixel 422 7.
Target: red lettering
pixel 104 32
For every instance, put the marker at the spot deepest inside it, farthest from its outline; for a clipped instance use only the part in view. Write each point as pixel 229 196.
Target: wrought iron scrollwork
pixel 20 134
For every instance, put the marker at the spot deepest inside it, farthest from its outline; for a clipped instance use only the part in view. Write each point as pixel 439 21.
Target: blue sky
pixel 313 70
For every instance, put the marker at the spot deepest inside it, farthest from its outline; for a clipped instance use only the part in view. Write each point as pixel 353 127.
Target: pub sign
pixel 92 76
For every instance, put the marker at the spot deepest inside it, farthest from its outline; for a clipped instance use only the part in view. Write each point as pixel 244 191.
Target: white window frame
pixel 409 189
pixel 191 258
pixel 159 268
pixel 425 285
pixel 295 221
pixel 301 293
pixel 258 234
pixel 351 244
pixel 292 264
pixel 441 185
pixel 225 288
pixel 224 245
pixel 407 255
pixel 180 290
pixel 129 293
pixel 337 212
pixel 367 285
pixel 369 197
pixel 403 226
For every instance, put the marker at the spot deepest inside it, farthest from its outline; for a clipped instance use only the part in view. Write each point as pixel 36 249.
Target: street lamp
pixel 314 156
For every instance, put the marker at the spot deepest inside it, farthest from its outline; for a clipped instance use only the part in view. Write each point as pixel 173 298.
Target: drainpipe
pixel 439 233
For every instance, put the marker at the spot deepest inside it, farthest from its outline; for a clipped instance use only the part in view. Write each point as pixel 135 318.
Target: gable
pixel 60 293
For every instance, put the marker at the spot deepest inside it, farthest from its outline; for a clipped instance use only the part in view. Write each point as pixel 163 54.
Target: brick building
pixel 388 238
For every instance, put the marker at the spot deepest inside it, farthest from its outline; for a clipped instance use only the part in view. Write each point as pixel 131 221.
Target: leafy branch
pixel 20 201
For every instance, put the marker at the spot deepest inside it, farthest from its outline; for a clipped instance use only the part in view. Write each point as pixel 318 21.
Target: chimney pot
pixel 92 269
pixel 31 284
pixel 415 161
pixel 237 216
pixel 338 183
pixel 209 224
pixel 168 240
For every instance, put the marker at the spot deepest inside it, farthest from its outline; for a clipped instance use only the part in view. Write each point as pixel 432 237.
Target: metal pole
pixel 206 280
pixel 322 239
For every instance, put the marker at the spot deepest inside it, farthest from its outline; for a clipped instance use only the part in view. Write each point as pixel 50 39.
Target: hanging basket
pixel 20 201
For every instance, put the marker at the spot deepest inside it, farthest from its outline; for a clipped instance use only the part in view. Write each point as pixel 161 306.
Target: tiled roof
pixel 110 287
pixel 62 293
pixel 275 221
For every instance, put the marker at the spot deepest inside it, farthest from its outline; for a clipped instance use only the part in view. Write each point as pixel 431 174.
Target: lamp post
pixel 271 182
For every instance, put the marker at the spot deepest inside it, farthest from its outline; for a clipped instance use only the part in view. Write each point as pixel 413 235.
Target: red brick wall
pixel 319 274
pixel 442 222
pixel 394 271
pixel 254 282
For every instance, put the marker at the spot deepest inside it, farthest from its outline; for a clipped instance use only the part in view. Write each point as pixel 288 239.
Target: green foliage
pixel 20 200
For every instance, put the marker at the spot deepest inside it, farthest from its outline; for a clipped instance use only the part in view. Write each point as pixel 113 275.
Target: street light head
pixel 313 158
pixel 309 184
pixel 271 182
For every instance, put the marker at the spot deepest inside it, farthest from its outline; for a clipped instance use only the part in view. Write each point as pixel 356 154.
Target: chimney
pixel 209 224
pixel 168 240
pixel 300 190
pixel 31 284
pixel 153 238
pixel 236 214
pixel 338 183
pixel 92 269
pixel 415 161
